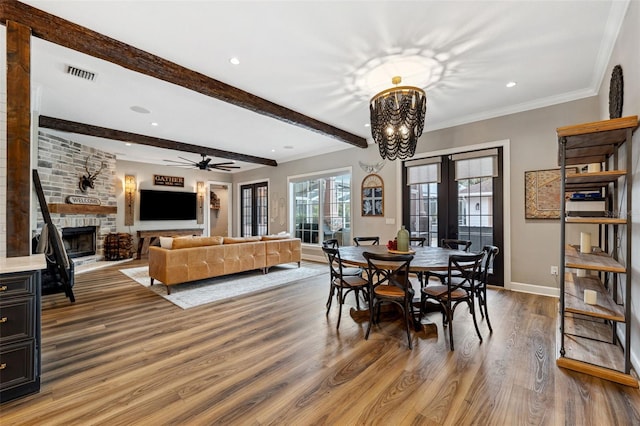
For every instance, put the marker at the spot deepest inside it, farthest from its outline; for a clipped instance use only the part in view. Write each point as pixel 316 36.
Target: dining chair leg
pixel 475 322
pixel 331 293
pixel 486 312
pixel 450 322
pixel 408 314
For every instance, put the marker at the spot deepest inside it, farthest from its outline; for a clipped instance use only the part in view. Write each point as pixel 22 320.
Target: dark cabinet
pixel 19 334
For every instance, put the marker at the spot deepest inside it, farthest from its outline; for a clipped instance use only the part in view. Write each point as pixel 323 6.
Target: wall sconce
pixel 129 199
pixel 201 193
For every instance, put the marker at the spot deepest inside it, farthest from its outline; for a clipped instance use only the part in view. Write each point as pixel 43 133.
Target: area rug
pixel 200 292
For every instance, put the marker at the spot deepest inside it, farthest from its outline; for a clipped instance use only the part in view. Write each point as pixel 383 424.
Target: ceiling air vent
pixel 77 72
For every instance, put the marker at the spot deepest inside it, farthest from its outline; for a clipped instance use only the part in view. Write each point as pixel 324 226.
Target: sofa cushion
pixel 234 240
pixel 179 243
pixel 252 238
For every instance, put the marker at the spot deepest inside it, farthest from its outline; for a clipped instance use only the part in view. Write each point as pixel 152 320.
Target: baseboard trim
pixel 534 289
pixel 314 258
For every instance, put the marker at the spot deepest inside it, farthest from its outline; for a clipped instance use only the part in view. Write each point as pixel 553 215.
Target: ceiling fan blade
pixel 178 162
pixel 222 164
pixel 186 159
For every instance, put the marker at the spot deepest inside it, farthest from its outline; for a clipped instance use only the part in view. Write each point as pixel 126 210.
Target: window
pixel 322 208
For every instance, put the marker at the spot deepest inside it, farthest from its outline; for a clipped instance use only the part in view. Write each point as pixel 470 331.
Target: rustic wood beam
pixel 65 33
pixel 18 140
pixel 118 135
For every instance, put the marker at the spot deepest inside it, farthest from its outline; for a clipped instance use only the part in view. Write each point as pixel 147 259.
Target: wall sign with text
pixel 168 180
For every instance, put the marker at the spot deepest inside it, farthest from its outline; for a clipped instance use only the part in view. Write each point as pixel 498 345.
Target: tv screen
pixel 167 205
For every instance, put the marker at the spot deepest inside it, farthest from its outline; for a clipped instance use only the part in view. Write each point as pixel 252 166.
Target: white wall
pixel 627 54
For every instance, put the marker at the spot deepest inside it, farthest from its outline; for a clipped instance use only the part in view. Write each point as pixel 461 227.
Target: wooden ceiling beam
pixel 73 36
pixel 118 135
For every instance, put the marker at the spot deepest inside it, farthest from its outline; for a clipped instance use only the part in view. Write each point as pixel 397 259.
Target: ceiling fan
pixel 204 164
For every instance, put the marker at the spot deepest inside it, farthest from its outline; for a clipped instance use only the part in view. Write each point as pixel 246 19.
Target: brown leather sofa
pixel 198 258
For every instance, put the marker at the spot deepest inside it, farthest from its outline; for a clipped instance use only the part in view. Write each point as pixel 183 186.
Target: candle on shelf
pixel 590 297
pixel 593 168
pixel 585 242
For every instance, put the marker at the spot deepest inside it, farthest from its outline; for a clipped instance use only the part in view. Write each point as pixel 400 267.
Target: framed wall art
pixel 542 193
pixel 372 196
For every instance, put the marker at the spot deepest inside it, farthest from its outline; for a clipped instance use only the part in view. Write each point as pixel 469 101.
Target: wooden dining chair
pixel 459 287
pixel 341 284
pixel 389 282
pixel 374 241
pixel 333 243
pixel 448 243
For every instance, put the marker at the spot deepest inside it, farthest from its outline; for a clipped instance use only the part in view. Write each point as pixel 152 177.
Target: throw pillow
pixel 166 242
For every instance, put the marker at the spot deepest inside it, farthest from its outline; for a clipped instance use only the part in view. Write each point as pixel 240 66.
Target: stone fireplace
pixel 61 162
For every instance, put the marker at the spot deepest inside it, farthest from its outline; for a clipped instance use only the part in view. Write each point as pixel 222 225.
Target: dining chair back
pixel 459 287
pixel 389 282
pixel 331 243
pixel 374 241
pixel 454 244
pixel 417 241
pixel 340 283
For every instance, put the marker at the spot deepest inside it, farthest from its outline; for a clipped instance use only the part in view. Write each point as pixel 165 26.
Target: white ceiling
pixel 324 59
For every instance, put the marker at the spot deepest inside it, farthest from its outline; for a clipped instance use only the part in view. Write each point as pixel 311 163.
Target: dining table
pixel 425 259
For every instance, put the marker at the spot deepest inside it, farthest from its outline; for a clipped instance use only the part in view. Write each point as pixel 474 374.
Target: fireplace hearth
pixel 79 241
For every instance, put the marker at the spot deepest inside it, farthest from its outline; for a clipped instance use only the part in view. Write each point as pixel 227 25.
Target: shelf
pixel 574 299
pixel 81 209
pixel 584 181
pixel 596 220
pixel 595 261
pixel 594 142
pixel 589 355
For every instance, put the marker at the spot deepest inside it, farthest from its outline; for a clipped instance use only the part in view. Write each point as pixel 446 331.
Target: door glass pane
pixel 262 209
pixel 475 215
pixel 423 214
pixel 247 208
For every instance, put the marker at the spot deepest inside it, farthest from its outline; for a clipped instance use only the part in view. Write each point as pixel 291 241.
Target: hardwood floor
pixel 121 355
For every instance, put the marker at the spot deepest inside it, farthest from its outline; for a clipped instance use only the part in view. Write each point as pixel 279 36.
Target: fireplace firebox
pixel 79 241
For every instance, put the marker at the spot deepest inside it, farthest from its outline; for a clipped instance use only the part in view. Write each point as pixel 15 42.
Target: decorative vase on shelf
pixel 403 239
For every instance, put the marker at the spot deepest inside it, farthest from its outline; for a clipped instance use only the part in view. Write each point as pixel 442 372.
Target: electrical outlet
pixel 554 270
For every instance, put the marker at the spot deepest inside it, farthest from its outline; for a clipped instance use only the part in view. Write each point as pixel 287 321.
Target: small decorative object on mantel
pixel 92 201
pixel 87 181
pixel 163 180
pixel 616 92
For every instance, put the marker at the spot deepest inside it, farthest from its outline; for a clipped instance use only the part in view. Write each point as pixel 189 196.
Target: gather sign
pixel 168 180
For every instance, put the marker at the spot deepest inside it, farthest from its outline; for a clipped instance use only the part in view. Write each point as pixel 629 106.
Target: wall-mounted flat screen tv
pixel 167 205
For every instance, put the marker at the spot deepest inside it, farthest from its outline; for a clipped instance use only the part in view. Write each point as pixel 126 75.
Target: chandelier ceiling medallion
pixel 397 120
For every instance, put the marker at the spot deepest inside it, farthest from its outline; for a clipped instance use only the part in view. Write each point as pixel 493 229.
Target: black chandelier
pixel 397 120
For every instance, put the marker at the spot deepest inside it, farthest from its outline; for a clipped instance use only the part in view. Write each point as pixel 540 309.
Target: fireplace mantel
pixel 81 209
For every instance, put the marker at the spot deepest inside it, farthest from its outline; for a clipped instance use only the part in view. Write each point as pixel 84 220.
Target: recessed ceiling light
pixel 235 61
pixel 511 84
pixel 128 144
pixel 367 125
pixel 154 124
pixel 139 109
pixel 273 150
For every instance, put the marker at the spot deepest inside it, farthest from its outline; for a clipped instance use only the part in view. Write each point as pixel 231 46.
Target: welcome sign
pixel 168 180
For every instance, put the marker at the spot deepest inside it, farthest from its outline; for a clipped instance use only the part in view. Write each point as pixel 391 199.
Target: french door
pixel 254 209
pixel 459 197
